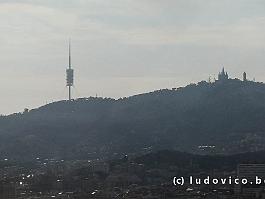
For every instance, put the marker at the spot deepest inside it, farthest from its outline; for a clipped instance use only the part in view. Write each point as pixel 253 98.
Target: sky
pixel 123 47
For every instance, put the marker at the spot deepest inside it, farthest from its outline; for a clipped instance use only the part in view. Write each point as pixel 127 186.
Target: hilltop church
pixel 223 76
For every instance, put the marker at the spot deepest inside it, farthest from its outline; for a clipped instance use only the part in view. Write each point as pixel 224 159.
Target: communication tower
pixel 69 75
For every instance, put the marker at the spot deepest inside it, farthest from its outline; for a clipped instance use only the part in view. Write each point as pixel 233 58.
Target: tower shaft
pixel 69 93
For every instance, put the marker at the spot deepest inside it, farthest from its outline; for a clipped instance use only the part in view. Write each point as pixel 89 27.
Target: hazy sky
pixel 124 47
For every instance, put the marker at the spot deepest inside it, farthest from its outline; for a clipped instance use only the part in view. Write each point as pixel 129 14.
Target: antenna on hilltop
pixel 69 74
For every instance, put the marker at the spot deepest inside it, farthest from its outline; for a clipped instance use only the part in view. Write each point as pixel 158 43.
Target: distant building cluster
pixel 223 75
pixel 251 172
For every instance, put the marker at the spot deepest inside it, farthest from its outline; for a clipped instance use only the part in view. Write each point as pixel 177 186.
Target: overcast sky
pixel 124 47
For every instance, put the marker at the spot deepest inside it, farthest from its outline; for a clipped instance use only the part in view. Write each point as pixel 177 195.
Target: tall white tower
pixel 69 75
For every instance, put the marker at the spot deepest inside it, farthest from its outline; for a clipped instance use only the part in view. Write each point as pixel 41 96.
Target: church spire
pixel 223 75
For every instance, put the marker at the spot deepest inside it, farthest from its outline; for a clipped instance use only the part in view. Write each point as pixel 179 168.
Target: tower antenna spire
pixel 69 74
pixel 69 53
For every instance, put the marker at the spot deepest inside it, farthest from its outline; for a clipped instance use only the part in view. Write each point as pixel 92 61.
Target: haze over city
pixel 124 47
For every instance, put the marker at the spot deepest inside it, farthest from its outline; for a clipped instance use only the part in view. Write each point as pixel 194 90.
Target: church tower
pixel 223 75
pixel 244 76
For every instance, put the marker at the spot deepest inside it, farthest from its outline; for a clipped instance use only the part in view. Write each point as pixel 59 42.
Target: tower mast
pixel 69 48
pixel 69 75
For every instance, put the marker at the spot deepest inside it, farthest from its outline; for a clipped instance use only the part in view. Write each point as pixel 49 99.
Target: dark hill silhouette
pixel 229 115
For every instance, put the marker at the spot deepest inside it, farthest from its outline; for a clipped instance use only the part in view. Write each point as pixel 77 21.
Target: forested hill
pixel 229 115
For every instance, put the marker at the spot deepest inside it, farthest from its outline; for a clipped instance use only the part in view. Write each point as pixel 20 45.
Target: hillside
pixel 166 159
pixel 229 115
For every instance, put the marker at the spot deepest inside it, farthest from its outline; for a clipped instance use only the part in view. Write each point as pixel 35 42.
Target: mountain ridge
pixel 227 114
